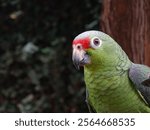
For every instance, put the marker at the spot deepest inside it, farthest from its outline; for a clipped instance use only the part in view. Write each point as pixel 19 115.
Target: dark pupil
pixel 96 42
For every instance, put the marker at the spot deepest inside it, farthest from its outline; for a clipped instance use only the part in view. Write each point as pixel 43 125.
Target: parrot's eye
pixel 96 42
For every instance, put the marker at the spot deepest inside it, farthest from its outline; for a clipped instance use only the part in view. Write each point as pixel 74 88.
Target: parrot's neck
pixel 107 84
pixel 113 67
pixel 117 66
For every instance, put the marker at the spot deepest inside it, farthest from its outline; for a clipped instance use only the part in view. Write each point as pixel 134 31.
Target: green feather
pixel 107 79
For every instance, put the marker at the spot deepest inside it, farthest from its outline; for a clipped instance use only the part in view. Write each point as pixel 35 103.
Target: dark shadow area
pixel 36 70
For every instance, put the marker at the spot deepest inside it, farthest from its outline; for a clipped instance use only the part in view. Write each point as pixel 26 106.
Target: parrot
pixel 114 84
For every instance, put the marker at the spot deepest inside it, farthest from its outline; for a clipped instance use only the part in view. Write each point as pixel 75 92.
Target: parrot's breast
pixel 113 92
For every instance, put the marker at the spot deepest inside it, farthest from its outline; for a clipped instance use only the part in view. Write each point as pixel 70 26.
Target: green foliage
pixel 36 69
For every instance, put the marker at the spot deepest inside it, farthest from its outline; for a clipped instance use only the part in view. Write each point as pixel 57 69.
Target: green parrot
pixel 113 82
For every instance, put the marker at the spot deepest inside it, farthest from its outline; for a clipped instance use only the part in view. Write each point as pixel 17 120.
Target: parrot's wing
pixel 140 76
pixel 146 82
pixel 91 110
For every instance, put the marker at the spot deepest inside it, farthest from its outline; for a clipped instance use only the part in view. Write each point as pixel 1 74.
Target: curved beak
pixel 79 57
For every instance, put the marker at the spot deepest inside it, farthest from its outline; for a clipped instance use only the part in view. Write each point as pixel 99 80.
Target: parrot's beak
pixel 79 56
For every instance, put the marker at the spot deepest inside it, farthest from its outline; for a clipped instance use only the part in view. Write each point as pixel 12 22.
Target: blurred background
pixel 36 70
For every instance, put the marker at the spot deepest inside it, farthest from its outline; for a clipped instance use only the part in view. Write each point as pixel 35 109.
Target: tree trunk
pixel 128 22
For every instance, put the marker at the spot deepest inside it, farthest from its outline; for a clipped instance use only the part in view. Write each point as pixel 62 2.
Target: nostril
pixel 79 47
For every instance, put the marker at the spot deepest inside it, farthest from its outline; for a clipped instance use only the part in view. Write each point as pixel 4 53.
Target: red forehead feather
pixel 83 41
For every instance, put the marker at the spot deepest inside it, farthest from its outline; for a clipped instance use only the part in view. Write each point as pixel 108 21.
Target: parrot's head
pixel 94 49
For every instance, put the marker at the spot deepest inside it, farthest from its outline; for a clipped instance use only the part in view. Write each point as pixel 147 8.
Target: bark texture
pixel 128 22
